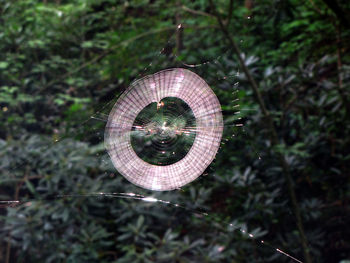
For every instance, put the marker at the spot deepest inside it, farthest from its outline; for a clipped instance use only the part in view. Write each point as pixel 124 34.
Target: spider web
pixel 233 127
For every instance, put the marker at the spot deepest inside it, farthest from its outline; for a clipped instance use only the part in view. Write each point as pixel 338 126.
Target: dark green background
pixel 63 62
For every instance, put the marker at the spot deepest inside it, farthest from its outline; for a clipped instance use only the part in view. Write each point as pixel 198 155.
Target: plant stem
pixel 179 31
pixel 339 68
pixel 273 137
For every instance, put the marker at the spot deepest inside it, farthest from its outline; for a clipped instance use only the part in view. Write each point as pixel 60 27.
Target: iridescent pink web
pixel 194 91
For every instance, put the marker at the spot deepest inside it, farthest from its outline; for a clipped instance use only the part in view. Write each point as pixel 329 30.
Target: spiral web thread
pixel 193 90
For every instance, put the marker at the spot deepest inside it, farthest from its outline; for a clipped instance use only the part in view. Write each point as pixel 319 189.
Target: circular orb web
pixel 175 106
pixel 163 132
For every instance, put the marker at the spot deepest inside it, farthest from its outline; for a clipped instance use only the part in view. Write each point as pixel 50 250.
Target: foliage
pixel 63 62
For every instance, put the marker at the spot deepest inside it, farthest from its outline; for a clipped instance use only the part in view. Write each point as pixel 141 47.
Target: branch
pixel 230 11
pixel 195 12
pixel 316 8
pixel 340 75
pixel 179 31
pixel 273 136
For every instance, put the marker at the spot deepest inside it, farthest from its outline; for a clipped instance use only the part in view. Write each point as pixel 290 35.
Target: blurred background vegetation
pixel 63 62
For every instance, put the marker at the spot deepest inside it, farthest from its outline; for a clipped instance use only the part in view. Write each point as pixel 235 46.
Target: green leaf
pixel 30 186
pixel 3 64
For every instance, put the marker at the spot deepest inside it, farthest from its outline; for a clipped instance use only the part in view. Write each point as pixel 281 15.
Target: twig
pixel 316 8
pixel 196 12
pixel 273 136
pixel 230 11
pixel 339 62
pixel 339 68
pixel 179 31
